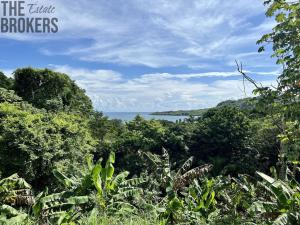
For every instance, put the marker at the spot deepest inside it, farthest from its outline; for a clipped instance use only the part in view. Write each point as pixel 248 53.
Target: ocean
pixel 127 116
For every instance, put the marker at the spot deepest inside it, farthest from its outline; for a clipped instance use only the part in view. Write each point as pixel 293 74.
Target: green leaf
pixel 280 17
pixel 261 49
pixel 267 178
pixel 119 179
pixel 134 181
pixel 77 200
pixel 281 220
pixel 67 182
pixel 97 178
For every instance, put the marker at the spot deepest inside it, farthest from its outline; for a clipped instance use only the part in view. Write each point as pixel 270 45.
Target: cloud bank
pixel 185 51
pixel 111 92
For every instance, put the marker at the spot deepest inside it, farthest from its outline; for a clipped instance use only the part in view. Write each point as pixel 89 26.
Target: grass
pixel 96 218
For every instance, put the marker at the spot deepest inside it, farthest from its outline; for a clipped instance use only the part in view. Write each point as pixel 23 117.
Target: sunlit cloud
pixel 155 33
pixel 152 92
pixel 141 55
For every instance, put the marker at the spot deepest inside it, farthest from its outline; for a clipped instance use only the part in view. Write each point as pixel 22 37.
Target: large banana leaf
pixel 11 216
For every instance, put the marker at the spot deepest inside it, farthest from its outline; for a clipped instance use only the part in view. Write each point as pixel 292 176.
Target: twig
pixel 245 76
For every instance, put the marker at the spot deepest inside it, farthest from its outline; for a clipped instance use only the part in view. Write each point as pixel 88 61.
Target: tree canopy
pixel 62 163
pixel 5 82
pixel 51 90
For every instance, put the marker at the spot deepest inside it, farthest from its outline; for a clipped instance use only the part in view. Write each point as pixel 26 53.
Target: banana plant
pixel 64 207
pixel 103 180
pixel 282 205
pixel 15 191
pixel 173 211
pixel 171 208
pixel 58 208
pixel 111 190
pixel 201 198
pixel 9 215
pixel 174 182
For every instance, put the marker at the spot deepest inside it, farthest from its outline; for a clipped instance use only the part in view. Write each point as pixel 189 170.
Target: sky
pixel 150 55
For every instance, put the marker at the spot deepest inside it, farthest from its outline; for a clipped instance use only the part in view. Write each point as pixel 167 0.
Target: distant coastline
pixel 195 112
pixel 243 104
pixel 128 116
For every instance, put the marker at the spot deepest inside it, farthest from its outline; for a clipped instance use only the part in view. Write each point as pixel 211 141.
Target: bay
pixel 128 116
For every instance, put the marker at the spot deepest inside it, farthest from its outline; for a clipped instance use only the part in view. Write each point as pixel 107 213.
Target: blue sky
pixel 150 55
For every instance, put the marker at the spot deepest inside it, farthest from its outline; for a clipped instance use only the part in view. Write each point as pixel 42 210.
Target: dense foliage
pixel 5 82
pixel 61 162
pixel 50 90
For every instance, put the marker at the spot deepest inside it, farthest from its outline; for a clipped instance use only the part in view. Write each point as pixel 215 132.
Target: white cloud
pixel 155 33
pixel 7 72
pixel 152 92
pixel 96 75
pixel 111 91
pixel 208 34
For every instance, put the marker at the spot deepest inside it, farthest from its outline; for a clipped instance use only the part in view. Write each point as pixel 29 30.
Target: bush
pixel 33 142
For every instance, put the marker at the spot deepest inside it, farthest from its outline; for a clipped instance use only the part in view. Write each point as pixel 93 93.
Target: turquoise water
pixel 127 116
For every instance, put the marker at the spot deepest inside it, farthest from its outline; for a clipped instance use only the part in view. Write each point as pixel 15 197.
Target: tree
pixel 148 136
pixel 99 125
pixel 5 82
pixel 51 90
pixel 265 143
pixel 34 142
pixel 219 135
pixel 139 134
pixel 285 42
pixel 283 101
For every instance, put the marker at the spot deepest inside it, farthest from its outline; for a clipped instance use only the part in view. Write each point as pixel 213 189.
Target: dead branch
pixel 245 76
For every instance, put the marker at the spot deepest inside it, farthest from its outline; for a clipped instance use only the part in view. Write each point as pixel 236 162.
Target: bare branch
pixel 245 76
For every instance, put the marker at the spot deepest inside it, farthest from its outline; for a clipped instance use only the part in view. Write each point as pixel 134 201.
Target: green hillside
pixel 243 104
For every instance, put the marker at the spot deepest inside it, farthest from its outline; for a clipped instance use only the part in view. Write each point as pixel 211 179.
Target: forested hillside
pixel 243 104
pixel 62 162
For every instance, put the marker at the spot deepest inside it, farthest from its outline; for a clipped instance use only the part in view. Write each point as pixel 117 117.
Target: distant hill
pixel 246 104
pixel 196 112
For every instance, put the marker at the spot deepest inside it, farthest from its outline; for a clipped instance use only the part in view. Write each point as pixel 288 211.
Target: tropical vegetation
pixel 62 162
